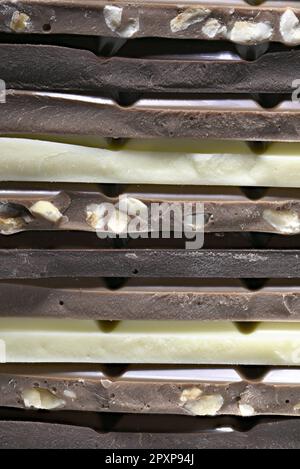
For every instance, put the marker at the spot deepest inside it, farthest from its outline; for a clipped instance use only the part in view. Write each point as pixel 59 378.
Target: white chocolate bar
pixel 164 342
pixel 151 162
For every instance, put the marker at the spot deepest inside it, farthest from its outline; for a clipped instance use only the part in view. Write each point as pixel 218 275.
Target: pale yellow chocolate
pixel 151 162
pixel 173 342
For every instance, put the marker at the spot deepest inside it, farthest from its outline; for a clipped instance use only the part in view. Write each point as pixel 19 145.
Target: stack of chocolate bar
pixel 120 333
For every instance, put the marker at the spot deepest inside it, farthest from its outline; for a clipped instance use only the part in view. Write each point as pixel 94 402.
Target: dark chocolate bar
pixel 19 429
pixel 154 263
pixel 209 71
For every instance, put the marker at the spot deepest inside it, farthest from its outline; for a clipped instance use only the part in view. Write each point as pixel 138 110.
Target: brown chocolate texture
pixel 209 20
pixel 24 112
pixel 226 210
pixel 153 263
pixel 48 282
pixel 141 67
pixel 194 391
pixel 32 430
pixel 121 299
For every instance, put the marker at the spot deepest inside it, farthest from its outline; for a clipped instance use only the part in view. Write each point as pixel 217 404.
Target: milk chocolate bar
pixel 196 391
pixel 236 119
pixel 67 208
pixel 240 22
pixel 118 299
pixel 207 70
pixel 32 340
pixel 19 429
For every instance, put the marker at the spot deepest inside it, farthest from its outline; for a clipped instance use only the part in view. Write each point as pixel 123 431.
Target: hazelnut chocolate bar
pixel 244 22
pixel 64 207
pixel 189 390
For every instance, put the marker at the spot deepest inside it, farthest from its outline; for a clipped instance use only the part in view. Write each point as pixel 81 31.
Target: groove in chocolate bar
pixel 66 239
pixel 144 48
